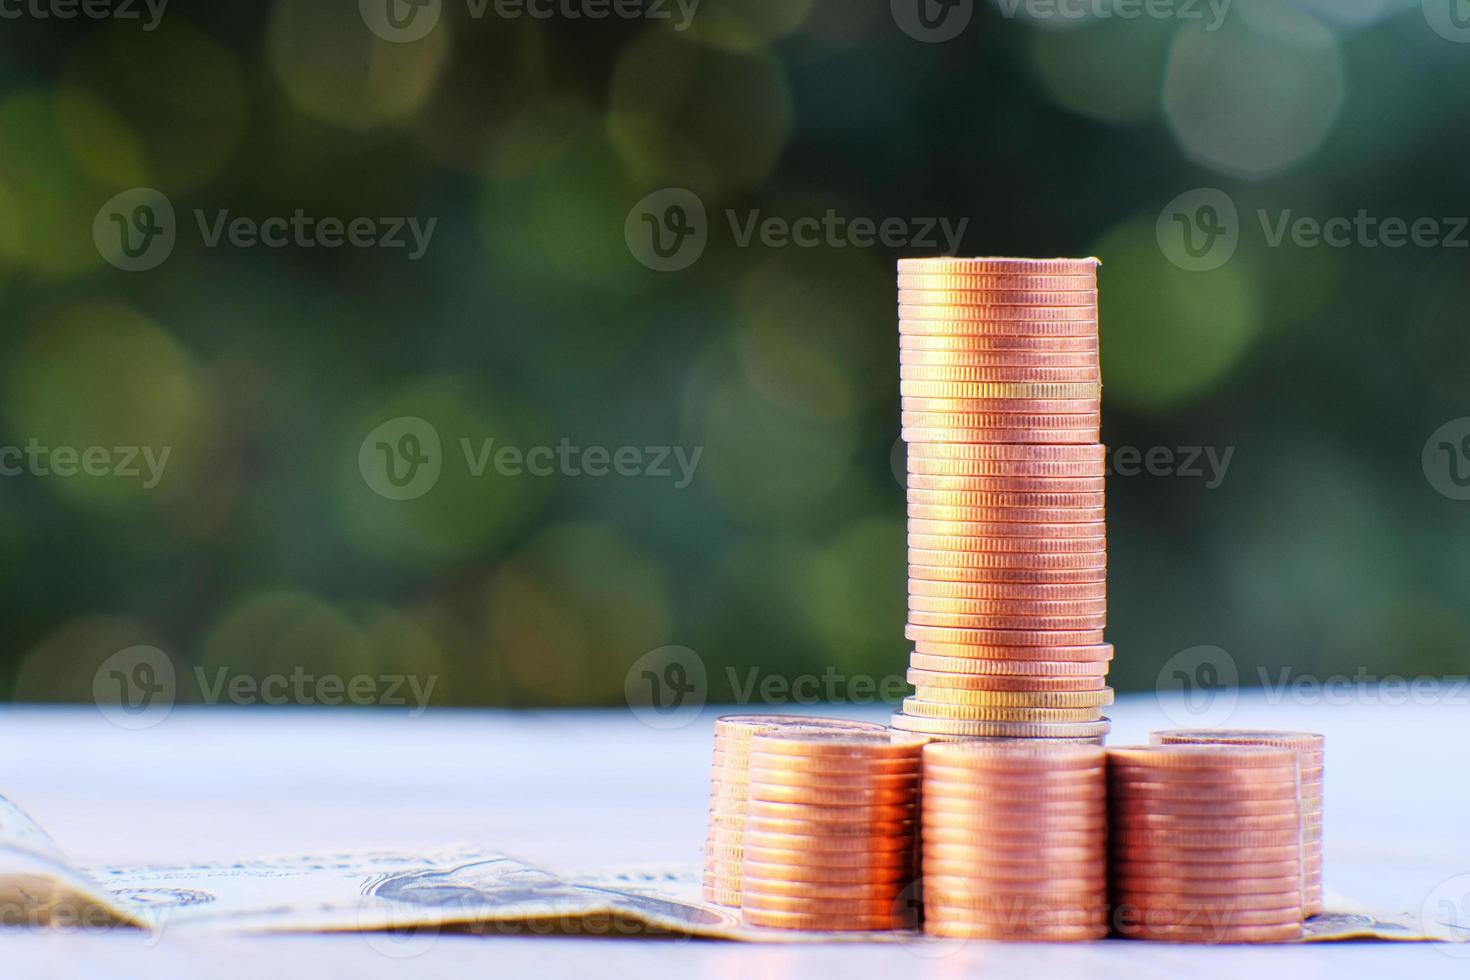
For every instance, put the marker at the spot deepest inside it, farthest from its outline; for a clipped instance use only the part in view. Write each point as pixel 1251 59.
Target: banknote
pixel 465 888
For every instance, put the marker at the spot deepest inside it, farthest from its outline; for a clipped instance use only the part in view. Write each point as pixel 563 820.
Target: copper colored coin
pixel 768 919
pixel 1002 682
pixel 1197 856
pixel 1302 742
pixel 1006 758
pixel 985 421
pixel 1014 515
pixel 1205 791
pixel 862 796
pixel 998 469
pixel 1213 936
pixel 1200 756
pixel 1190 821
pixel 1009 529
pixel 721 896
pixel 1128 838
pixel 828 813
pixel 983 282
pixel 831 843
pixel 834 781
pixel 742 728
pixel 946 928
pixel 1013 911
pixel 994 318
pixel 757 871
pixel 1023 498
pixel 1206 889
pixel 822 861
pixel 985 476
pixel 998 344
pixel 1206 778
pixel 1200 871
pixel 998 375
pixel 1224 905
pixel 990 621
pixel 962 298
pixel 1129 915
pixel 835 834
pixel 1008 545
pixel 1007 561
pixel 1034 454
pixel 965 405
pixel 1004 638
pixel 1008 607
pixel 958 874
pixel 986 265
pixel 1037 436
pixel 967 653
pixel 826 890
pixel 1024 360
pixel 1025 391
pixel 977 672
pixel 1016 840
pixel 826 765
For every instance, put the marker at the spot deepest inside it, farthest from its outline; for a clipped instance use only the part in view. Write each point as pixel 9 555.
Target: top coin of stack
pixel 729 782
pixel 1309 752
pixel 1001 390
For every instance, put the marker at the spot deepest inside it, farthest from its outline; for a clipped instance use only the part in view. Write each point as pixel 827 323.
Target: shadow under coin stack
pixel 829 835
pixel 1001 390
pixel 1014 841
pixel 725 840
pixel 1206 843
pixel 1309 749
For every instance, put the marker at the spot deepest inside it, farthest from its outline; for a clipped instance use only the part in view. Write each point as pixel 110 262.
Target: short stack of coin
pixel 1015 841
pixel 1309 748
pixel 1206 843
pixel 830 827
pixel 724 843
pixel 1001 390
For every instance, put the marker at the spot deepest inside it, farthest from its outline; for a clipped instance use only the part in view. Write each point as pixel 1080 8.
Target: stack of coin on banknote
pixel 1309 748
pixel 1014 841
pixel 1001 391
pixel 1206 843
pixel 729 780
pixel 830 830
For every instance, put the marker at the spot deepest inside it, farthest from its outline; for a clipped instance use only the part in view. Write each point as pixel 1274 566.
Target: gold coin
pixel 999 343
pixel 1024 359
pixel 975 421
pixel 1037 436
pixel 1004 638
pixel 1016 699
pixel 959 671
pixel 1003 682
pixel 1008 607
pixel 1034 454
pixel 1041 321
pixel 1043 760
pixel 722 896
pixel 954 726
pixel 1016 515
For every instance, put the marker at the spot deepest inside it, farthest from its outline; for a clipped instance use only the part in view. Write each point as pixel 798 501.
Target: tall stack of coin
pixel 1015 841
pixel 724 843
pixel 829 834
pixel 1001 390
pixel 1206 843
pixel 1309 748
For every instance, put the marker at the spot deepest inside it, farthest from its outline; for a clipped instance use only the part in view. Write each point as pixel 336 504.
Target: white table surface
pixel 569 790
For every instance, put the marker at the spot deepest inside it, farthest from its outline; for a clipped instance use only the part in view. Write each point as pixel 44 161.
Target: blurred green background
pixel 530 320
